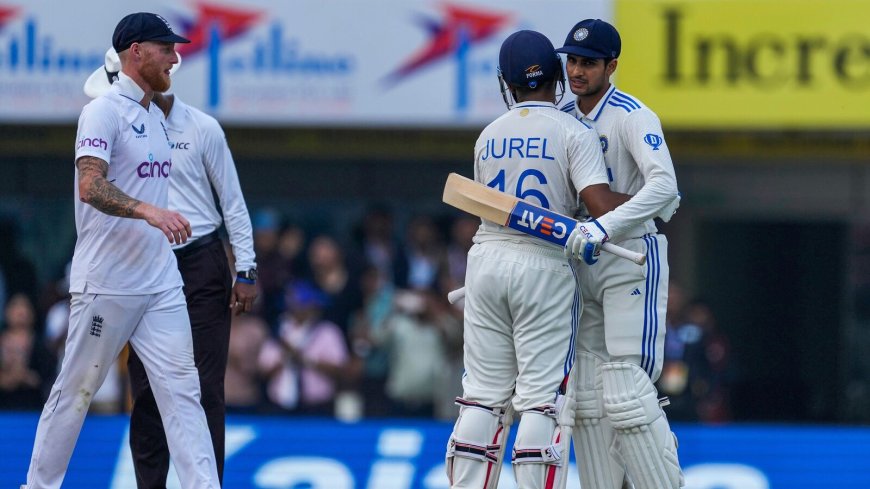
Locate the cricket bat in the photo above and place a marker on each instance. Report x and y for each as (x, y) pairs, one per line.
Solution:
(478, 199)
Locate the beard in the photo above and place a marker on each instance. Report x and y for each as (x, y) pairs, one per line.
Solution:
(156, 79)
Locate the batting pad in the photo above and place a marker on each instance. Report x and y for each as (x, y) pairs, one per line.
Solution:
(644, 437)
(475, 451)
(593, 433)
(540, 455)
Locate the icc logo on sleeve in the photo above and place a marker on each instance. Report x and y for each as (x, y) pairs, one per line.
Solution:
(653, 140)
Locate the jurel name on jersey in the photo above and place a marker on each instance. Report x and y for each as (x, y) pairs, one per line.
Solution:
(516, 148)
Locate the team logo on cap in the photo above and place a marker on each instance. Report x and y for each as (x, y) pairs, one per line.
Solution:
(533, 71)
(164, 21)
(580, 34)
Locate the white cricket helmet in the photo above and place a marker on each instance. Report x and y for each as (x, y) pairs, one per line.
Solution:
(102, 78)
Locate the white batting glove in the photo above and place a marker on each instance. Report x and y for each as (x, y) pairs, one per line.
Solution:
(669, 210)
(566, 409)
(584, 242)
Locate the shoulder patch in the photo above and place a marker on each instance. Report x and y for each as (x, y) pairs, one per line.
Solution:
(654, 140)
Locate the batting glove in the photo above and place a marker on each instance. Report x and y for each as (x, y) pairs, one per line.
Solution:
(566, 409)
(584, 242)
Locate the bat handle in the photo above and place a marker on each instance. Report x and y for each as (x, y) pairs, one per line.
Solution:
(455, 295)
(621, 252)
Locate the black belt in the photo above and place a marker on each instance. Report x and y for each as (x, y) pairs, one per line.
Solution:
(197, 244)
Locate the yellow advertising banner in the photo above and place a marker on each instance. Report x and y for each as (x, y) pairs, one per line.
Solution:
(734, 64)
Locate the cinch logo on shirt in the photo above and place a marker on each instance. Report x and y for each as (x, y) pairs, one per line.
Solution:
(154, 169)
(179, 145)
(93, 143)
(517, 147)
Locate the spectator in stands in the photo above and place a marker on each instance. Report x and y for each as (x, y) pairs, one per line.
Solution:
(272, 271)
(243, 384)
(376, 244)
(714, 404)
(462, 231)
(292, 248)
(331, 274)
(425, 250)
(452, 330)
(415, 337)
(366, 328)
(26, 367)
(306, 363)
(684, 366)
(696, 371)
(17, 272)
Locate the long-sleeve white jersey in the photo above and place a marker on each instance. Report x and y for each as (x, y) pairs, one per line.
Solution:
(201, 160)
(540, 154)
(637, 158)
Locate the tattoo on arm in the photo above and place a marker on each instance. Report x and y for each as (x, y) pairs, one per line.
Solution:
(101, 194)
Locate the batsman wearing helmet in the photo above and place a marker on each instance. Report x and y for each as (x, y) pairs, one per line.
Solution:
(620, 426)
(522, 302)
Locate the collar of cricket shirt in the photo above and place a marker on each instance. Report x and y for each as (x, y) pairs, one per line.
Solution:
(129, 88)
(595, 113)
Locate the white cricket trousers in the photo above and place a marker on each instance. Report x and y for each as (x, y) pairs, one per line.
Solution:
(522, 308)
(624, 305)
(158, 328)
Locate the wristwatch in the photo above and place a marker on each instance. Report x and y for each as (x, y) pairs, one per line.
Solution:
(250, 275)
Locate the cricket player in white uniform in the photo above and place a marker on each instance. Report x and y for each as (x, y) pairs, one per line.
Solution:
(522, 302)
(622, 331)
(202, 168)
(125, 283)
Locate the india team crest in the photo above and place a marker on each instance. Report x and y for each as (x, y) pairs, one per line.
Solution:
(604, 143)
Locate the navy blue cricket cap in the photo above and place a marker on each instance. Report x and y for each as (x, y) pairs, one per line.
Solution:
(141, 27)
(592, 38)
(528, 58)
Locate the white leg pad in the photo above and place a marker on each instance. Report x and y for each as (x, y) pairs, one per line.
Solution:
(644, 438)
(476, 448)
(540, 454)
(593, 433)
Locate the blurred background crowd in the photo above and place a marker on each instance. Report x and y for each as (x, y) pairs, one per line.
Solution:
(347, 325)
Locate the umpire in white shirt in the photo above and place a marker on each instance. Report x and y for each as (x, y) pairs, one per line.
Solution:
(202, 167)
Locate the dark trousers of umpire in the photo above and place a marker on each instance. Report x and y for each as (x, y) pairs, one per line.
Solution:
(207, 287)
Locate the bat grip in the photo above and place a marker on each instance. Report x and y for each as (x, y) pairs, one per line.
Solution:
(455, 295)
(621, 252)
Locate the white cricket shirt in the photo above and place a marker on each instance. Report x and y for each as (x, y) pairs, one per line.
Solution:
(118, 255)
(201, 160)
(539, 154)
(637, 158)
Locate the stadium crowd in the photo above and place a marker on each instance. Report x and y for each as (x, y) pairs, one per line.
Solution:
(355, 325)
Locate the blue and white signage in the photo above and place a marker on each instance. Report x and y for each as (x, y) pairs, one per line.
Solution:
(341, 62)
(295, 453)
